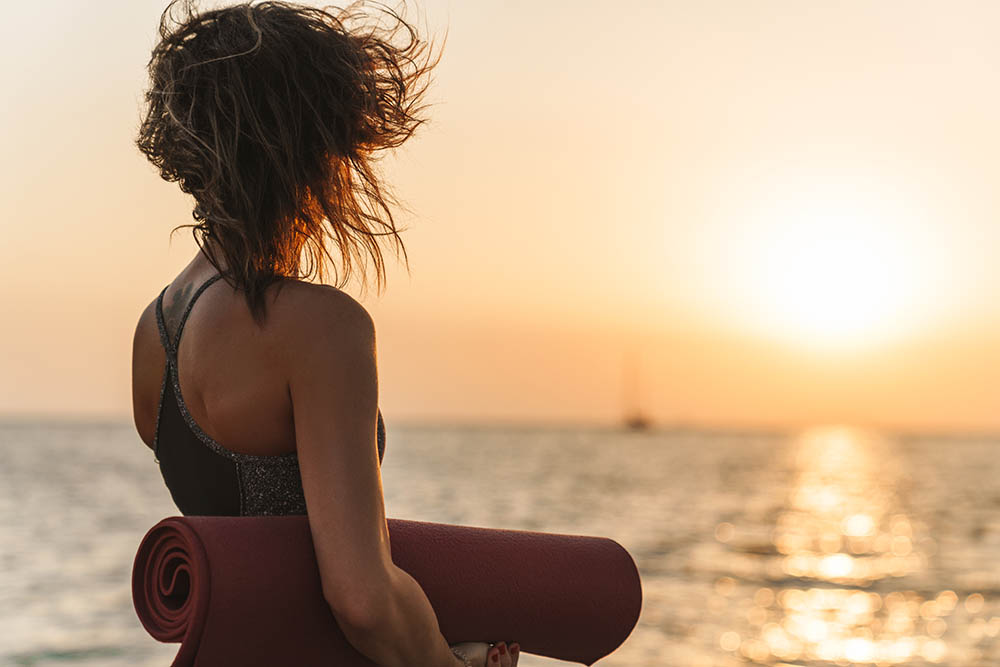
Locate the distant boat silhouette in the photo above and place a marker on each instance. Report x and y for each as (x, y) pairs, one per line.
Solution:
(634, 419)
(637, 422)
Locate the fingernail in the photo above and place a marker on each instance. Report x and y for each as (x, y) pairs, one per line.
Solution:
(502, 649)
(495, 658)
(514, 648)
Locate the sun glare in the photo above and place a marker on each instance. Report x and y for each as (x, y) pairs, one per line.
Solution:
(830, 271)
(834, 277)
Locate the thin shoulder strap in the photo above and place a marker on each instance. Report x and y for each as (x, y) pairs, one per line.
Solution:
(171, 347)
(164, 339)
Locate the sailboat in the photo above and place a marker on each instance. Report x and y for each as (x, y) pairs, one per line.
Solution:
(637, 422)
(634, 419)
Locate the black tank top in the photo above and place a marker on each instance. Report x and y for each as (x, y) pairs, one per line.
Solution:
(205, 478)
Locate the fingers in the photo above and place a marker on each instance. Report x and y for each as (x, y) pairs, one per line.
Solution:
(493, 656)
(504, 654)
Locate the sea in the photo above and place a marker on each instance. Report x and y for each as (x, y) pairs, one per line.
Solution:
(827, 546)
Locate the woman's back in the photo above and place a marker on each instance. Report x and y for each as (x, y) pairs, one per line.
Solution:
(219, 419)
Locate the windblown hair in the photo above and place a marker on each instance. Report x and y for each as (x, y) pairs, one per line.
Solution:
(271, 116)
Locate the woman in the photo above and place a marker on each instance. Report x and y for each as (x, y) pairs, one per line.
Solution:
(269, 115)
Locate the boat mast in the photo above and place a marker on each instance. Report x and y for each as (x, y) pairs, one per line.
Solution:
(634, 417)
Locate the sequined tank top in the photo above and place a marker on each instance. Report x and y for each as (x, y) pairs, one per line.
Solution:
(205, 478)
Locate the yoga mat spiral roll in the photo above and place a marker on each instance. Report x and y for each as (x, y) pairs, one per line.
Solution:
(247, 591)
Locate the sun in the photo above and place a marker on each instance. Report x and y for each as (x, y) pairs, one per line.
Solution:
(833, 278)
(831, 272)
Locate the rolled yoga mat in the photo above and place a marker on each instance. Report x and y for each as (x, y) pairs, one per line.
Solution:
(246, 590)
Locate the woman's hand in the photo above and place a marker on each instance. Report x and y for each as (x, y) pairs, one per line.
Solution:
(481, 655)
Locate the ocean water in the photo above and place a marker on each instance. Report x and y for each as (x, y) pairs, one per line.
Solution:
(827, 547)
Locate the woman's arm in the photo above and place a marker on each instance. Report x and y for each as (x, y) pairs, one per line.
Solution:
(332, 381)
(404, 630)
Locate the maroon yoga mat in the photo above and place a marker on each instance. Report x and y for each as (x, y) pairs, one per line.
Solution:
(246, 590)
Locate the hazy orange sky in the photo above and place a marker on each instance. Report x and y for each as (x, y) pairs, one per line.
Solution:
(787, 211)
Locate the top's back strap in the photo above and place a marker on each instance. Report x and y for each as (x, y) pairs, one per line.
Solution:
(171, 347)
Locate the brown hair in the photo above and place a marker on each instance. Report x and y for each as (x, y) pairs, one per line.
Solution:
(270, 114)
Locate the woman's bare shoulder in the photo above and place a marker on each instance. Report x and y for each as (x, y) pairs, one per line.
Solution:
(299, 300)
(319, 313)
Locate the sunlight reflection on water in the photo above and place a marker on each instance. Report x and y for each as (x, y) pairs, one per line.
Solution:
(841, 533)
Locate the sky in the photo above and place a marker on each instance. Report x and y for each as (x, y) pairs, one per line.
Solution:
(767, 214)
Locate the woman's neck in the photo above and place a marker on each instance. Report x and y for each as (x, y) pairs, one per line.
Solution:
(201, 262)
